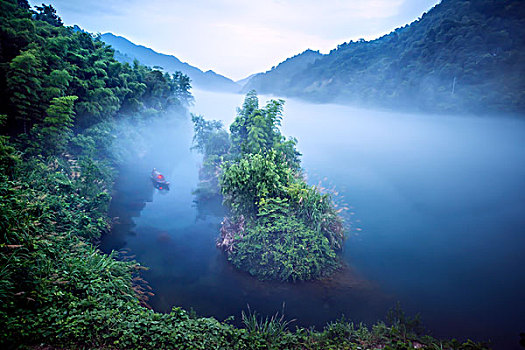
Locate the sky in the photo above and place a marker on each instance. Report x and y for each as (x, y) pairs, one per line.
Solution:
(237, 38)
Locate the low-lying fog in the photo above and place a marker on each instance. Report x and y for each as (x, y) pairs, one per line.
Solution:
(437, 214)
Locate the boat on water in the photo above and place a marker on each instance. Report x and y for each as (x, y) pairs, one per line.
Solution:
(159, 180)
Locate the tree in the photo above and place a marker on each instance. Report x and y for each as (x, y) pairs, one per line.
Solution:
(8, 154)
(55, 131)
(23, 4)
(24, 85)
(203, 130)
(246, 184)
(181, 87)
(56, 83)
(47, 13)
(239, 128)
(256, 130)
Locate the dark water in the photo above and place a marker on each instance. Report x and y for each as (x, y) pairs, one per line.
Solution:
(436, 208)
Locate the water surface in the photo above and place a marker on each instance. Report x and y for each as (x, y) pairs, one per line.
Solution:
(436, 208)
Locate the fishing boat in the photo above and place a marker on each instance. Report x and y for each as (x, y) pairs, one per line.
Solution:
(159, 180)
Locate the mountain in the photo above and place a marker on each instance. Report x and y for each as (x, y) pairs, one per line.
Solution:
(460, 56)
(245, 81)
(280, 77)
(126, 51)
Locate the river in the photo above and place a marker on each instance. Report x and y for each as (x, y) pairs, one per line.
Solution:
(436, 216)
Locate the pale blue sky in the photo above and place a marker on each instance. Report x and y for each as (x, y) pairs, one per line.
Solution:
(237, 38)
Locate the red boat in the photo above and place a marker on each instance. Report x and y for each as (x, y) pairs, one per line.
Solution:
(159, 181)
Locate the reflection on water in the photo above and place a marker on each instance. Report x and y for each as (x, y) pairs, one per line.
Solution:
(438, 217)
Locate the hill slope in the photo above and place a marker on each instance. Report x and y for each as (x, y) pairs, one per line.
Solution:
(280, 77)
(460, 56)
(128, 51)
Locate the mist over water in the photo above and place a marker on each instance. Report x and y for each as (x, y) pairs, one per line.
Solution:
(437, 208)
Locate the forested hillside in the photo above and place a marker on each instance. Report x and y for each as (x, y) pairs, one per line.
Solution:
(44, 63)
(463, 55)
(279, 78)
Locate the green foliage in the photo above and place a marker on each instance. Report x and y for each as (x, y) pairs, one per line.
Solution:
(247, 183)
(181, 87)
(256, 130)
(213, 142)
(342, 334)
(47, 13)
(41, 60)
(280, 227)
(209, 137)
(403, 324)
(279, 246)
(55, 131)
(8, 154)
(341, 330)
(318, 211)
(24, 86)
(268, 328)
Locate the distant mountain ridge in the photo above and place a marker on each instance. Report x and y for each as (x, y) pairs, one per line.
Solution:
(459, 56)
(127, 51)
(245, 81)
(278, 78)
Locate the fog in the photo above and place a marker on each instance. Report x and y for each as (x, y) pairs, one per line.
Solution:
(436, 220)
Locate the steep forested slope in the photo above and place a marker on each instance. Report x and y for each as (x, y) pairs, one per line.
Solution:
(279, 78)
(463, 55)
(41, 60)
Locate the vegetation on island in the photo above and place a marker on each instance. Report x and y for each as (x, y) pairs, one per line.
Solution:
(461, 56)
(62, 96)
(279, 228)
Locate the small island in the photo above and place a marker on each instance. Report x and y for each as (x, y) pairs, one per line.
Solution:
(279, 227)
